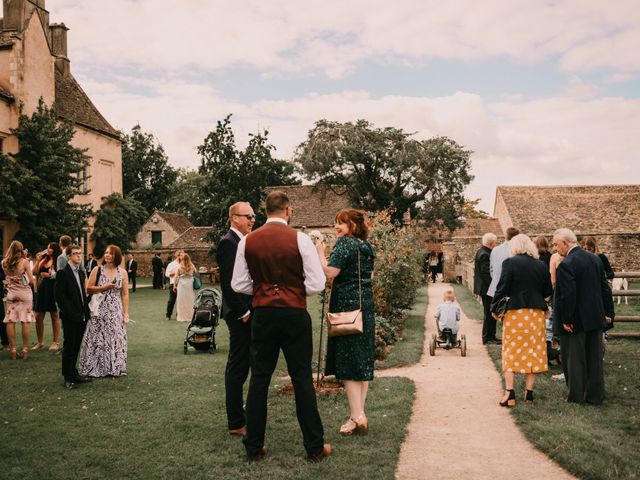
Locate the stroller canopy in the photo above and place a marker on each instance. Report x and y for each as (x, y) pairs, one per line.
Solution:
(207, 298)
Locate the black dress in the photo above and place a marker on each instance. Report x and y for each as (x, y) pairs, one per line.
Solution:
(352, 357)
(45, 300)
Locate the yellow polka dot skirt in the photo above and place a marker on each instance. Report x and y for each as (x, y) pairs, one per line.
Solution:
(524, 347)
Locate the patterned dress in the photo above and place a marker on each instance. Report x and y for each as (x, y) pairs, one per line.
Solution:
(351, 357)
(19, 300)
(104, 346)
(524, 345)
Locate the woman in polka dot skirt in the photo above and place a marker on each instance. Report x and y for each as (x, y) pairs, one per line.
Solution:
(525, 280)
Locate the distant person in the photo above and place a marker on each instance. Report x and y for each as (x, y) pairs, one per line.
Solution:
(63, 242)
(591, 246)
(45, 272)
(171, 272)
(132, 271)
(525, 281)
(156, 266)
(71, 297)
(183, 286)
(542, 245)
(236, 311)
(91, 263)
(19, 281)
(583, 307)
(481, 282)
(433, 266)
(104, 347)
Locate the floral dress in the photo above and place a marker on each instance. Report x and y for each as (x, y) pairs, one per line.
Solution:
(104, 346)
(351, 357)
(19, 299)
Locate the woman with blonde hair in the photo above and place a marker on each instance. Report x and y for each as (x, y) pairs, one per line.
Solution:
(525, 283)
(183, 286)
(19, 281)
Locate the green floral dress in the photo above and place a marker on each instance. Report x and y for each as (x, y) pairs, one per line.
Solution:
(351, 357)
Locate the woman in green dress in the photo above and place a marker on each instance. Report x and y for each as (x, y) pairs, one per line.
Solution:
(351, 357)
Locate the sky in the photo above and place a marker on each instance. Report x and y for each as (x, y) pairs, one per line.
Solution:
(543, 92)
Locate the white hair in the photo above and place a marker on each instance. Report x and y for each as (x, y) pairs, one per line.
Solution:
(523, 244)
(565, 234)
(489, 238)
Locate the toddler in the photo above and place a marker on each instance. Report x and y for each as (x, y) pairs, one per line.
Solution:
(448, 314)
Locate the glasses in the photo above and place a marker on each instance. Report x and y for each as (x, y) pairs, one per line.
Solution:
(248, 216)
(76, 253)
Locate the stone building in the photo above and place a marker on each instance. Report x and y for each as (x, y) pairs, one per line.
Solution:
(162, 229)
(34, 64)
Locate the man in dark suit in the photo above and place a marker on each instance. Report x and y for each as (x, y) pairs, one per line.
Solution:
(280, 268)
(71, 298)
(481, 282)
(132, 271)
(91, 264)
(582, 307)
(236, 311)
(156, 266)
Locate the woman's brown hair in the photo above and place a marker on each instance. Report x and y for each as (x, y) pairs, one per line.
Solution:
(13, 256)
(188, 265)
(542, 244)
(116, 253)
(590, 245)
(356, 221)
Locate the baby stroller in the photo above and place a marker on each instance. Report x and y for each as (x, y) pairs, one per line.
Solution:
(201, 332)
(447, 339)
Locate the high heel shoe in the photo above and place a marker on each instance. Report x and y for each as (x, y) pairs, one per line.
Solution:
(510, 401)
(347, 429)
(528, 397)
(25, 353)
(363, 425)
(14, 353)
(37, 346)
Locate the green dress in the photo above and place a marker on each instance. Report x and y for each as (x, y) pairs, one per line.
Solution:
(351, 357)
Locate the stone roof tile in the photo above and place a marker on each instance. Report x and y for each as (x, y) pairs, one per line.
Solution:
(192, 238)
(177, 221)
(476, 227)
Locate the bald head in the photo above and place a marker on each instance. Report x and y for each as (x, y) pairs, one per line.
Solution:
(242, 217)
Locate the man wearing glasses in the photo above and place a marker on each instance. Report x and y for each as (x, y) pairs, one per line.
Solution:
(236, 311)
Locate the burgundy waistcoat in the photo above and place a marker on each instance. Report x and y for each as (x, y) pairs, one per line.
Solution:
(275, 265)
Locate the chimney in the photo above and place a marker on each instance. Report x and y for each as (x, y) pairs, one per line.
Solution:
(14, 14)
(59, 46)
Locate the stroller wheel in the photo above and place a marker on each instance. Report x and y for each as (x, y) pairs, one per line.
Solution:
(463, 346)
(432, 345)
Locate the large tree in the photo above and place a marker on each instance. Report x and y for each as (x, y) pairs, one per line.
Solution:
(146, 174)
(187, 196)
(232, 174)
(387, 168)
(39, 183)
(117, 223)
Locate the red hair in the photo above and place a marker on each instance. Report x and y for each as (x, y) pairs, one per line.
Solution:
(355, 219)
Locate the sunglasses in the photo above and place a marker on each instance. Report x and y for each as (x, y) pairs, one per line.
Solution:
(249, 216)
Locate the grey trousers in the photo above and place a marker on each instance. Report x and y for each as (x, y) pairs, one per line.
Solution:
(582, 363)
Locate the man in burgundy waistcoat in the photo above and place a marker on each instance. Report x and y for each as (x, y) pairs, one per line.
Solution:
(280, 268)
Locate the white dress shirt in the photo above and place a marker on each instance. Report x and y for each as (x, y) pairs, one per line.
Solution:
(314, 279)
(448, 316)
(498, 255)
(171, 268)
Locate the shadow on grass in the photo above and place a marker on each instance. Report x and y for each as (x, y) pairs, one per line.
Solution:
(590, 442)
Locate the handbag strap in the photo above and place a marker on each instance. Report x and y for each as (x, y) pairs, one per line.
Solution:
(359, 285)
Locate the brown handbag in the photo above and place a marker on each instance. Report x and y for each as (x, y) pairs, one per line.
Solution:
(346, 323)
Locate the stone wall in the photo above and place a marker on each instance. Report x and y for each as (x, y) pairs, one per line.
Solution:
(200, 258)
(169, 235)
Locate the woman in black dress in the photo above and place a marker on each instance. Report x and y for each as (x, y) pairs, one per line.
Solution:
(351, 357)
(590, 245)
(44, 272)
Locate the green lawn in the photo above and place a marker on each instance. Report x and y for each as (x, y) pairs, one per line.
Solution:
(166, 419)
(590, 442)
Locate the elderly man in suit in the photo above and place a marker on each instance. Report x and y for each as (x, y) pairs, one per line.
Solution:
(236, 311)
(582, 307)
(71, 297)
(481, 282)
(280, 268)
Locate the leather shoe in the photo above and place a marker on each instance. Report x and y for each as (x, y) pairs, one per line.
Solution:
(254, 457)
(239, 432)
(81, 379)
(327, 450)
(69, 385)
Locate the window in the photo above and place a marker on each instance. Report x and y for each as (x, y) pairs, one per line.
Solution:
(1, 145)
(83, 176)
(156, 237)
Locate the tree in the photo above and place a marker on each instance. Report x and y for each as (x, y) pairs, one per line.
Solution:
(471, 210)
(146, 174)
(117, 223)
(232, 175)
(385, 168)
(187, 196)
(39, 183)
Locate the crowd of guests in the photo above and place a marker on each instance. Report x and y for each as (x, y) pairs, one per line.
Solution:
(90, 311)
(546, 300)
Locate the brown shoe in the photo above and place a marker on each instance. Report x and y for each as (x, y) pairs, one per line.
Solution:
(254, 457)
(327, 450)
(238, 432)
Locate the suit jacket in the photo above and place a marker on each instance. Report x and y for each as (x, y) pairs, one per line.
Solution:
(72, 303)
(481, 272)
(234, 305)
(498, 255)
(133, 267)
(582, 296)
(156, 264)
(91, 264)
(526, 281)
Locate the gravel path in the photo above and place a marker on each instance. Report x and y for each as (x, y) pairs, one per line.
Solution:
(457, 429)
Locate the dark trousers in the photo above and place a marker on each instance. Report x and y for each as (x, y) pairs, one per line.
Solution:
(157, 280)
(132, 281)
(73, 332)
(582, 365)
(4, 339)
(237, 371)
(433, 270)
(172, 301)
(488, 323)
(288, 329)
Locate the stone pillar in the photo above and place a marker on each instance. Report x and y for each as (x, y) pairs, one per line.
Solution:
(450, 252)
(59, 46)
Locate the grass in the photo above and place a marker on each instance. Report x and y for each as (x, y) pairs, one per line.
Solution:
(408, 349)
(166, 419)
(590, 442)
